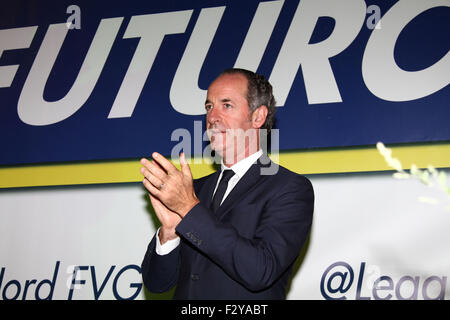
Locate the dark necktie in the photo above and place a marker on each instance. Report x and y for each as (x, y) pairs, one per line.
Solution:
(221, 189)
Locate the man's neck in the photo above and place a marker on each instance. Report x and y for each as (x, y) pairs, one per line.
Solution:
(244, 155)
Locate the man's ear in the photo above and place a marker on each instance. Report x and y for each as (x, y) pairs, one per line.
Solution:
(259, 116)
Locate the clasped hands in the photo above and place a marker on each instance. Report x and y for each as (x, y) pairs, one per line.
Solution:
(171, 191)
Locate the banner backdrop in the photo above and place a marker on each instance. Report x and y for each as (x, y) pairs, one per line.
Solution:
(371, 239)
(111, 80)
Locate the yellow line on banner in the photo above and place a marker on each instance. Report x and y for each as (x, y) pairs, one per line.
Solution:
(305, 162)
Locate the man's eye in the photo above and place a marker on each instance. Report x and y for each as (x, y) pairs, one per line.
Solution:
(208, 107)
(227, 106)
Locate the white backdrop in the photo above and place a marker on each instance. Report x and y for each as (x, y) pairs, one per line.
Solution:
(366, 225)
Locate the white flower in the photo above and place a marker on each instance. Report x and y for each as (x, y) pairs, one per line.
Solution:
(428, 200)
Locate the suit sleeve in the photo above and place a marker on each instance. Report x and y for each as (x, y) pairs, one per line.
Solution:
(256, 263)
(160, 273)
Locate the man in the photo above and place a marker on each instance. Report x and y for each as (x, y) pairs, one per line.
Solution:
(231, 238)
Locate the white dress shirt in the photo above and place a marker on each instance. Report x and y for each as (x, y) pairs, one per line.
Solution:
(239, 168)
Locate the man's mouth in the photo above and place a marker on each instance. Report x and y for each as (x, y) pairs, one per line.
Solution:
(214, 131)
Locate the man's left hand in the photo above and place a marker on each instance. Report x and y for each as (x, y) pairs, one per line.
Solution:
(173, 187)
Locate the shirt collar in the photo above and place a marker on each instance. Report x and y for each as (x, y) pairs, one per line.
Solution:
(241, 167)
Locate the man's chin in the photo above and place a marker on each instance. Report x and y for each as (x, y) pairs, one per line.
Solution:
(218, 149)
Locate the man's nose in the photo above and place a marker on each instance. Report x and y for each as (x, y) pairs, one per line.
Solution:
(213, 116)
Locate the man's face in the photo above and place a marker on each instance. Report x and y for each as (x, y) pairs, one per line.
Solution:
(227, 109)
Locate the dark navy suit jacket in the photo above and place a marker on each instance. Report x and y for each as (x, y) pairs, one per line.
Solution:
(246, 249)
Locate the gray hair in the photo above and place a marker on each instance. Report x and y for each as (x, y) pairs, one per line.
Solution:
(259, 93)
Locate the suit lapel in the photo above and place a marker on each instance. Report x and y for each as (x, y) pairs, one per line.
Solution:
(207, 190)
(245, 184)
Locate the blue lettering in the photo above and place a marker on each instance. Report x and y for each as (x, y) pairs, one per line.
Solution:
(75, 281)
(138, 286)
(97, 293)
(360, 280)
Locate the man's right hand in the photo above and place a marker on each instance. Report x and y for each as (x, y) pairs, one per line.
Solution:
(169, 220)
